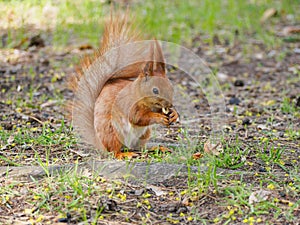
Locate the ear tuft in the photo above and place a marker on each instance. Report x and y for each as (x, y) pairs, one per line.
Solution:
(148, 69)
(159, 59)
(155, 65)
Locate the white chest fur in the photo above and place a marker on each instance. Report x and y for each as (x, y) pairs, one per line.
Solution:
(129, 134)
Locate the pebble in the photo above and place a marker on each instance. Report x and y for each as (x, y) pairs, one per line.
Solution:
(246, 121)
(238, 83)
(234, 101)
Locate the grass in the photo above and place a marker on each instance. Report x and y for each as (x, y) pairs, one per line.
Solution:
(71, 193)
(175, 21)
(26, 140)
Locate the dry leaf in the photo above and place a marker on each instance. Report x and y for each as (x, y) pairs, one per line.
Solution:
(262, 127)
(185, 201)
(259, 196)
(157, 190)
(49, 103)
(85, 47)
(197, 155)
(291, 30)
(222, 77)
(268, 14)
(214, 149)
(161, 149)
(124, 155)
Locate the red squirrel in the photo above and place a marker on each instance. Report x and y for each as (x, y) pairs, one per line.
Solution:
(121, 91)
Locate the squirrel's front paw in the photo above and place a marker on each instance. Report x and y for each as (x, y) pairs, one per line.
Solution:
(173, 116)
(160, 118)
(164, 120)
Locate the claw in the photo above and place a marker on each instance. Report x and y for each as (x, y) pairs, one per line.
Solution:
(173, 117)
(165, 110)
(166, 122)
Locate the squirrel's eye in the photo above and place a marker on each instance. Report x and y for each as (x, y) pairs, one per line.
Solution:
(155, 91)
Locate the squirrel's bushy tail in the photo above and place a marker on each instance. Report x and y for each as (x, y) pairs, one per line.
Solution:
(95, 70)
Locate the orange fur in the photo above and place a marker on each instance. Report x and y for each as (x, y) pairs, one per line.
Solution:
(117, 31)
(116, 106)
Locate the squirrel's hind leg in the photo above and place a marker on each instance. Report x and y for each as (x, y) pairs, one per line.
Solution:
(144, 138)
(141, 144)
(115, 147)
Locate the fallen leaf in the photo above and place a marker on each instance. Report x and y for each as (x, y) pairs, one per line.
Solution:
(139, 192)
(286, 31)
(124, 155)
(156, 190)
(49, 103)
(222, 77)
(185, 201)
(259, 196)
(214, 149)
(268, 14)
(85, 47)
(262, 127)
(259, 56)
(197, 155)
(161, 149)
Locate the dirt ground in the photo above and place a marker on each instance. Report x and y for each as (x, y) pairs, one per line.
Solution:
(261, 86)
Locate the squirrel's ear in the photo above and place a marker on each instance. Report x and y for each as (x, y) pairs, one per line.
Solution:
(156, 64)
(160, 66)
(148, 69)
